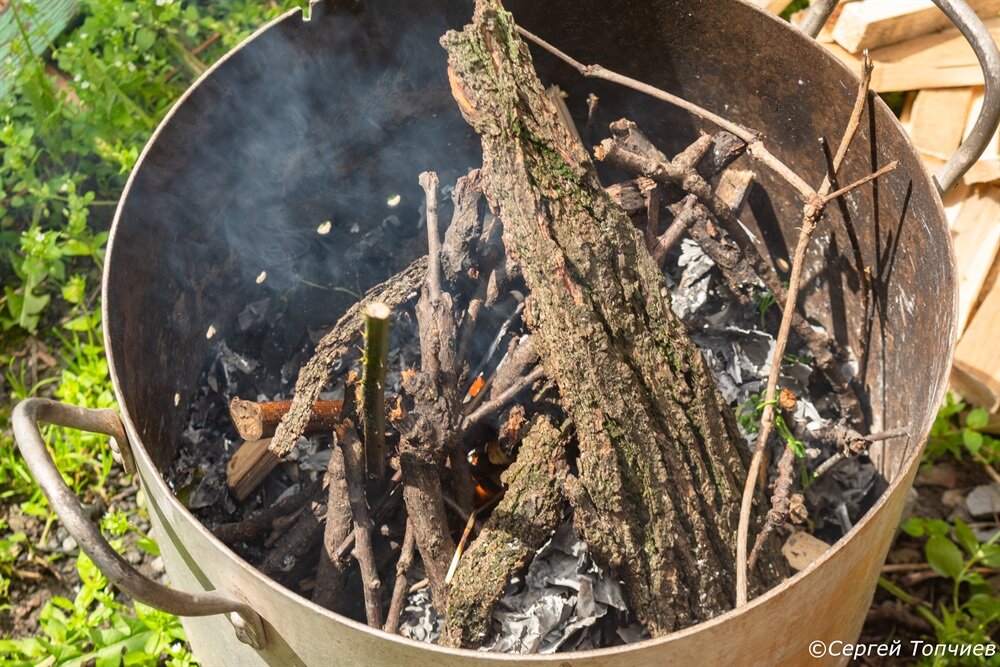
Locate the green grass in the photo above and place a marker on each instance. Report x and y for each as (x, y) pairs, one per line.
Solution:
(71, 127)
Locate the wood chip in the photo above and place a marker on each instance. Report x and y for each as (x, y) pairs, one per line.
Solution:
(801, 549)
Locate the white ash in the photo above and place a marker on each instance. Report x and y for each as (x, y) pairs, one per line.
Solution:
(691, 292)
(419, 621)
(555, 606)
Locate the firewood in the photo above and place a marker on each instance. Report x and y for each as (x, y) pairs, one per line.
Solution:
(314, 375)
(354, 473)
(257, 525)
(937, 122)
(331, 572)
(254, 460)
(773, 6)
(248, 467)
(976, 372)
(420, 457)
(255, 421)
(525, 518)
(873, 23)
(606, 335)
(939, 60)
(940, 119)
(976, 233)
(399, 590)
(460, 251)
(438, 333)
(293, 552)
(428, 422)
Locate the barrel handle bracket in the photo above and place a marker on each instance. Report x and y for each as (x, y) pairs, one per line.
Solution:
(27, 415)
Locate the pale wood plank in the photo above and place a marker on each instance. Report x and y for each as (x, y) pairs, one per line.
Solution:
(940, 60)
(976, 373)
(938, 119)
(976, 234)
(773, 6)
(871, 24)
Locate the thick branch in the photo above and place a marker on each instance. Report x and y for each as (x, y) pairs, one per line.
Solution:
(658, 447)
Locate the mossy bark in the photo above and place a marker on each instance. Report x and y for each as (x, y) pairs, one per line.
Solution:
(519, 526)
(661, 462)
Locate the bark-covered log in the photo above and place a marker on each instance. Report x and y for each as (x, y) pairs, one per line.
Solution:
(331, 571)
(661, 464)
(519, 526)
(421, 457)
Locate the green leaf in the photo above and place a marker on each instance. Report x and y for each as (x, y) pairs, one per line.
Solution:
(977, 419)
(914, 527)
(966, 537)
(79, 323)
(937, 527)
(144, 39)
(973, 440)
(944, 557)
(991, 555)
(148, 545)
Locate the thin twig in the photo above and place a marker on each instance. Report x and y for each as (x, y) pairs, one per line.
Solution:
(354, 471)
(755, 146)
(505, 397)
(990, 470)
(841, 455)
(378, 508)
(811, 212)
(870, 177)
(429, 182)
(459, 511)
(399, 589)
(469, 525)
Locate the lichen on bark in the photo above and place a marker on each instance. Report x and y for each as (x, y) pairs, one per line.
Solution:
(522, 522)
(661, 462)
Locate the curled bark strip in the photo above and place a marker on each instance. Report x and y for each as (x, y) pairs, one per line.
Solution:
(314, 375)
(519, 526)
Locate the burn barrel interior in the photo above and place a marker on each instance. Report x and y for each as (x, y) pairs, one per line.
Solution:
(326, 119)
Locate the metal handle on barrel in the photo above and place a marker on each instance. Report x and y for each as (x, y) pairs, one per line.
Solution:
(25, 420)
(979, 37)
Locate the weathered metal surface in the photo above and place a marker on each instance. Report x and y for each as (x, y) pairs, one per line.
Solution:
(321, 120)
